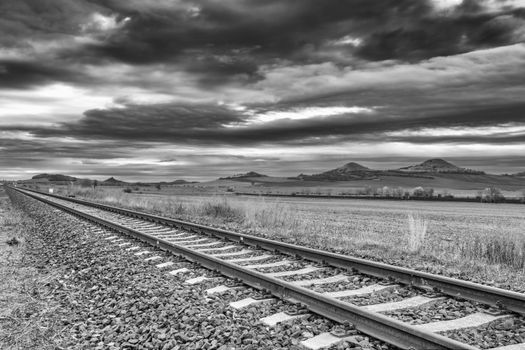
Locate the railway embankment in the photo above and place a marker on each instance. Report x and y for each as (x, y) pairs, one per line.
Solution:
(101, 296)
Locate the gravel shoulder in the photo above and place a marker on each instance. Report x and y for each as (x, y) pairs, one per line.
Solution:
(27, 319)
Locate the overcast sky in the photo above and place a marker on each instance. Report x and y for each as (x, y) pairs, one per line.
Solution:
(169, 89)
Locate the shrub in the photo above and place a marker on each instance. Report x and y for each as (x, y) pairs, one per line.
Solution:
(418, 191)
(222, 209)
(493, 195)
(127, 190)
(385, 191)
(398, 192)
(423, 192)
(368, 191)
(74, 190)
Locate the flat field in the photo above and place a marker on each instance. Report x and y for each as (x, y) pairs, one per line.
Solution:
(476, 241)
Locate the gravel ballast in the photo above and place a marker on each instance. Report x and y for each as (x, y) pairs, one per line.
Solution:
(442, 310)
(383, 296)
(353, 282)
(498, 333)
(271, 259)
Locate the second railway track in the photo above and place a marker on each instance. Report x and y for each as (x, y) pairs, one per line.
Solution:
(372, 296)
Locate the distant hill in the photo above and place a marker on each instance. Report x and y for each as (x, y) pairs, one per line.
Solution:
(178, 182)
(113, 182)
(439, 166)
(351, 167)
(248, 175)
(54, 177)
(181, 182)
(349, 171)
(59, 179)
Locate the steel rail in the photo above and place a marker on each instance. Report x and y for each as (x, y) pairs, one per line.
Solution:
(512, 301)
(374, 324)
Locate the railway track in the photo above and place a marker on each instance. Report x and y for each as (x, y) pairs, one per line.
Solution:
(400, 306)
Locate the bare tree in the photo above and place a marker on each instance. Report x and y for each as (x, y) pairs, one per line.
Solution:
(493, 195)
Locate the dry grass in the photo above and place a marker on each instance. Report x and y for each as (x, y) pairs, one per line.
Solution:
(507, 251)
(482, 240)
(417, 230)
(24, 303)
(10, 218)
(221, 208)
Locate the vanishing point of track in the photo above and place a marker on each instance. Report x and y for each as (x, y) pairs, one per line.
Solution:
(219, 250)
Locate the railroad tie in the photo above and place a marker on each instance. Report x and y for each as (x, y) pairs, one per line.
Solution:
(474, 320)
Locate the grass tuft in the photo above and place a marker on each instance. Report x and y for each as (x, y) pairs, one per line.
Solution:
(417, 230)
(221, 208)
(495, 250)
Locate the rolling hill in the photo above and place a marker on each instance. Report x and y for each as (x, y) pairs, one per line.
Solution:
(246, 176)
(59, 179)
(113, 182)
(349, 171)
(435, 173)
(354, 171)
(438, 166)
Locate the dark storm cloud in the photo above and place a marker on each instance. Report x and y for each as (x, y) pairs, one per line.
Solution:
(44, 23)
(273, 28)
(205, 124)
(26, 74)
(225, 40)
(430, 35)
(234, 38)
(164, 122)
(504, 139)
(23, 20)
(13, 148)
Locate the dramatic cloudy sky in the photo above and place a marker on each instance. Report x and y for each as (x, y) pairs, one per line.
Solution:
(196, 89)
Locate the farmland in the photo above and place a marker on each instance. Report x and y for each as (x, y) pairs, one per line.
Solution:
(482, 241)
